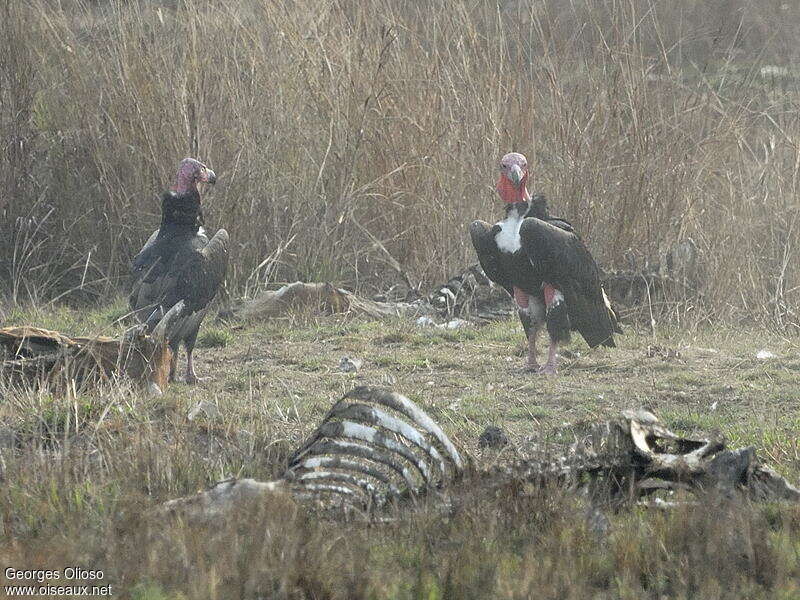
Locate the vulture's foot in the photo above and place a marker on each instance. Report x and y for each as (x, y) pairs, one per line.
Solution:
(531, 367)
(191, 376)
(193, 379)
(549, 369)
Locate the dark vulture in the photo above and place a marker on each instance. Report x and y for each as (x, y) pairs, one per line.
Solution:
(179, 263)
(545, 266)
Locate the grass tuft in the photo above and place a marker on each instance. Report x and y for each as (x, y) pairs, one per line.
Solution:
(214, 338)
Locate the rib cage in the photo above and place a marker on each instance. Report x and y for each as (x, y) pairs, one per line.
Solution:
(372, 446)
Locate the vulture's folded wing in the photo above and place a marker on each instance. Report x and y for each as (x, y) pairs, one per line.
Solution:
(197, 274)
(565, 262)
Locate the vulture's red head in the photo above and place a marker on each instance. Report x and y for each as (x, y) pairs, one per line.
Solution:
(513, 178)
(190, 172)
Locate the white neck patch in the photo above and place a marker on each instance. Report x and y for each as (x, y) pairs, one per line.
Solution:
(507, 239)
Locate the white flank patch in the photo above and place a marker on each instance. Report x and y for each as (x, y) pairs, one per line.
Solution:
(201, 231)
(508, 238)
(606, 301)
(536, 310)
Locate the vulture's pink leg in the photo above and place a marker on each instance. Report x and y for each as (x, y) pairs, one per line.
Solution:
(551, 296)
(551, 366)
(522, 300)
(533, 362)
(191, 376)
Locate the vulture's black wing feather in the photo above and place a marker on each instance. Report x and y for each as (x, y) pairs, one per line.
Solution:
(564, 261)
(192, 270)
(483, 239)
(197, 274)
(538, 208)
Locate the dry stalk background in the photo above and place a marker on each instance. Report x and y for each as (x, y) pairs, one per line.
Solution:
(346, 122)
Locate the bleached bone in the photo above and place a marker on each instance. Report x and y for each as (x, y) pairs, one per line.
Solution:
(372, 446)
(381, 435)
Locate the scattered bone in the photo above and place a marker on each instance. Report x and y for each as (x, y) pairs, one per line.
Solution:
(656, 351)
(457, 324)
(349, 365)
(425, 321)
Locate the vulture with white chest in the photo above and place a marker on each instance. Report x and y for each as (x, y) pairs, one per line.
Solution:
(545, 266)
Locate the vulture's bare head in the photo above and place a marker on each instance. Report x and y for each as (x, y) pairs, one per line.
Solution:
(191, 172)
(512, 185)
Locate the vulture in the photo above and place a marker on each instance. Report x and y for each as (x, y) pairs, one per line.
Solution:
(180, 263)
(545, 266)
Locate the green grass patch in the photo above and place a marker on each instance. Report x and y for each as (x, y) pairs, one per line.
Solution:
(214, 338)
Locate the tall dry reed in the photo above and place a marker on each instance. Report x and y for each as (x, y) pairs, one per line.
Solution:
(646, 121)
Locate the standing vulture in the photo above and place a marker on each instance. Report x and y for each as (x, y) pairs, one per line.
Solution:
(179, 263)
(545, 266)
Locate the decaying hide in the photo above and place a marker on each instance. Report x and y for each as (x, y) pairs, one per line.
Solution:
(33, 356)
(374, 446)
(319, 298)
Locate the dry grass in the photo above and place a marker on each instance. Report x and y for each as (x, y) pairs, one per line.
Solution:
(83, 470)
(646, 121)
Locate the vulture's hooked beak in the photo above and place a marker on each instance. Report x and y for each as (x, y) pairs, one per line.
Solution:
(515, 175)
(208, 176)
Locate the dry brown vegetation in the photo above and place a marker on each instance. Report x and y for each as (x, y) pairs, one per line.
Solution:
(646, 121)
(79, 473)
(346, 130)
